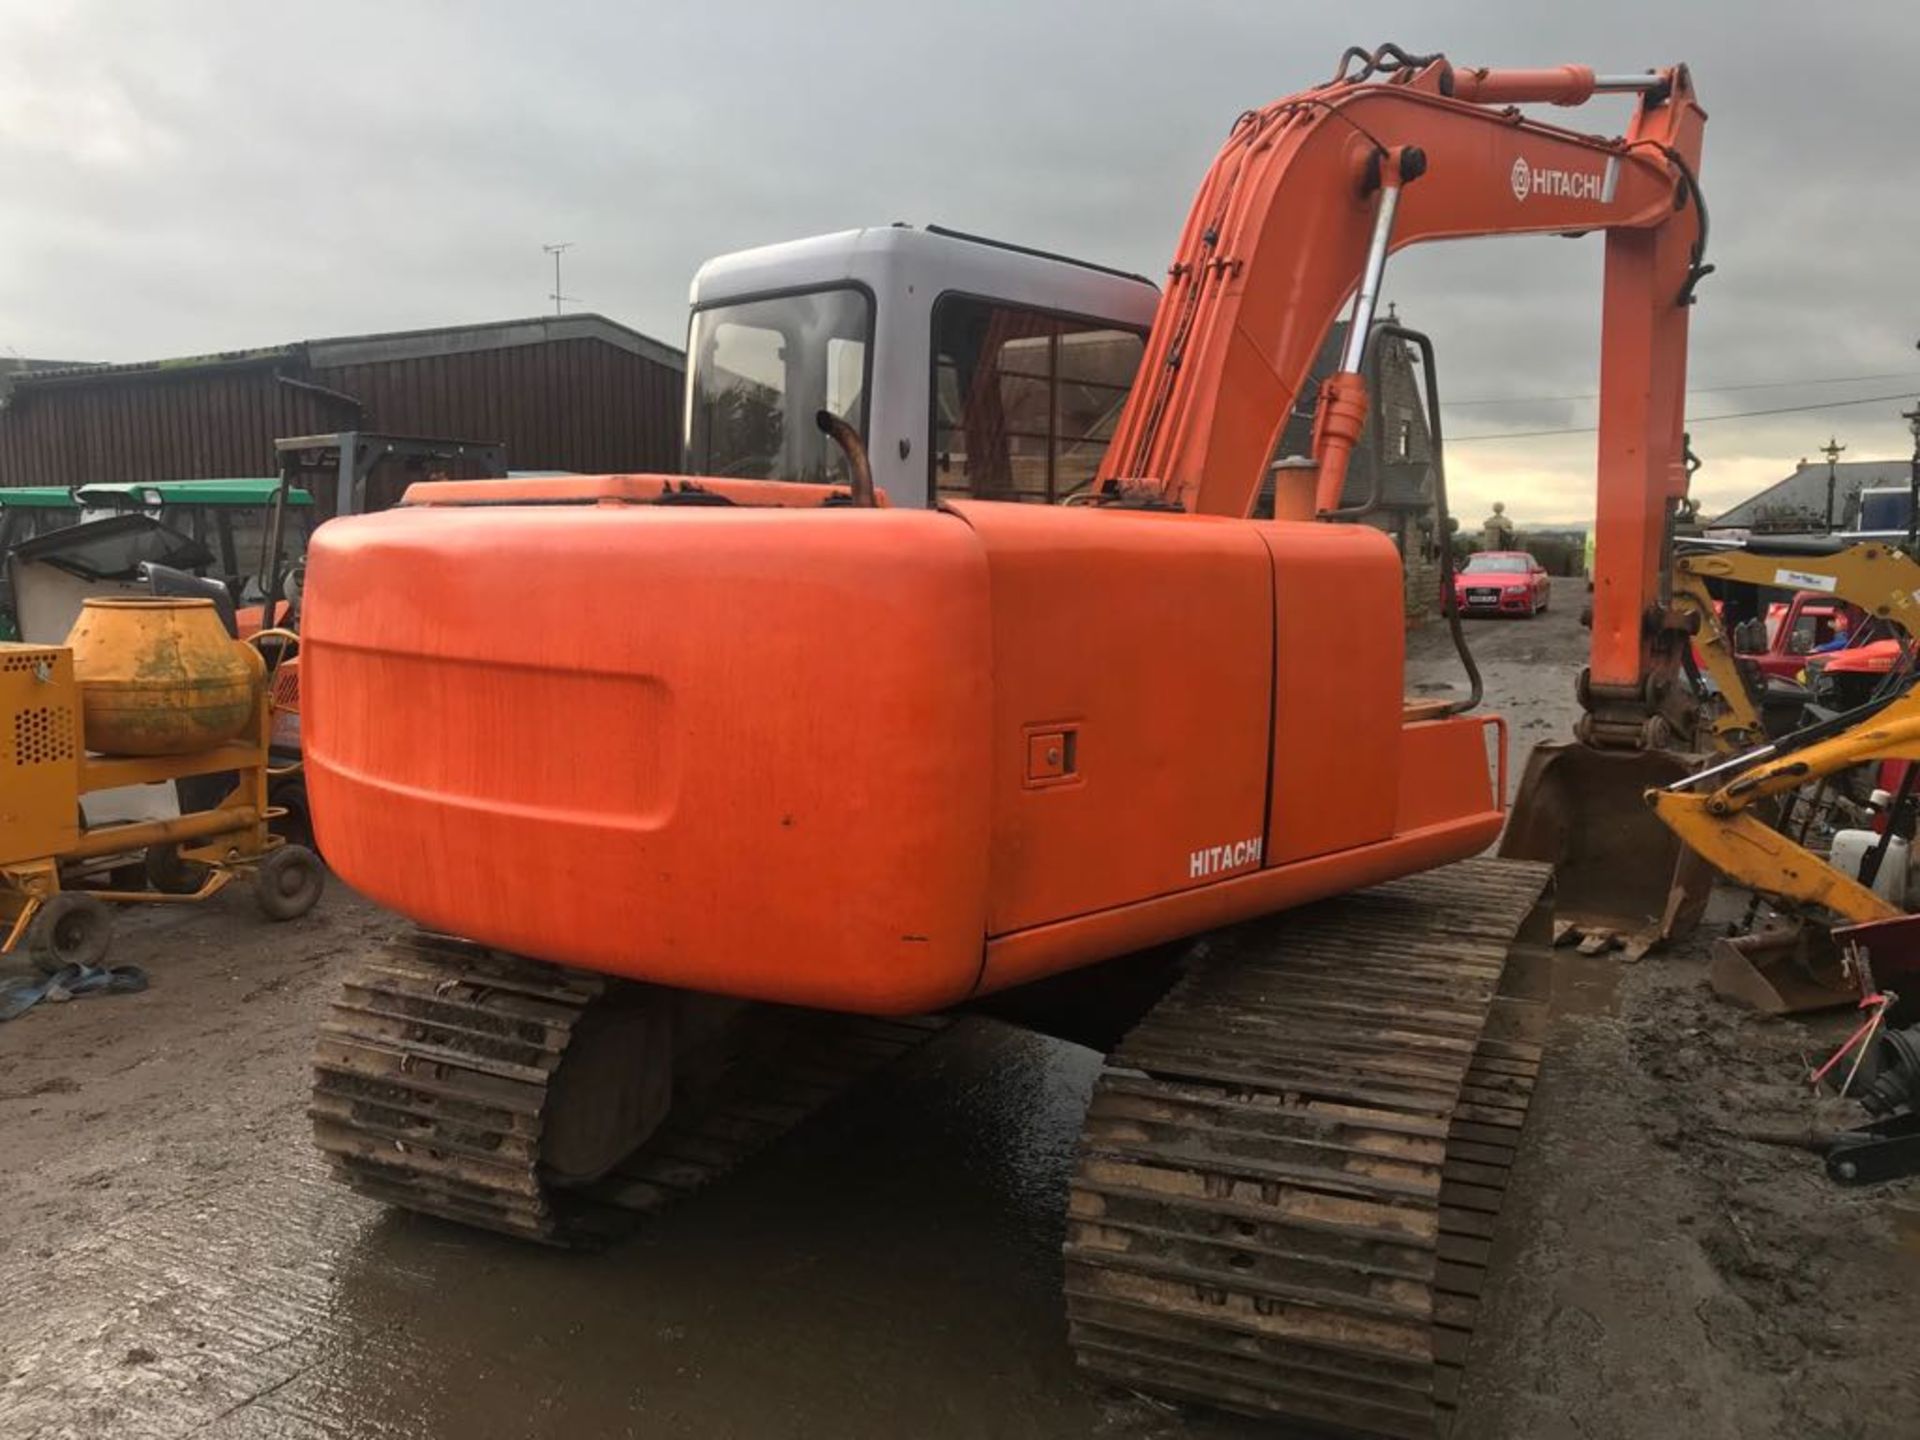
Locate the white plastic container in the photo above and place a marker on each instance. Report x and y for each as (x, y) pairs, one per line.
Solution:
(1851, 848)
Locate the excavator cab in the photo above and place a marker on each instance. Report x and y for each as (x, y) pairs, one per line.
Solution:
(968, 368)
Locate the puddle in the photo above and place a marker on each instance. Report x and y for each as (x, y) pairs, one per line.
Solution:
(1585, 984)
(1906, 1227)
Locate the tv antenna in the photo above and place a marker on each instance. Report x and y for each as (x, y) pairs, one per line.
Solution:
(556, 251)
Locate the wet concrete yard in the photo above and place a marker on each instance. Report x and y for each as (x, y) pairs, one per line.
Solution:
(179, 1261)
(175, 1261)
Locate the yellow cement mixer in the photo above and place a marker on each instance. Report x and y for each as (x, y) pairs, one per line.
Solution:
(143, 691)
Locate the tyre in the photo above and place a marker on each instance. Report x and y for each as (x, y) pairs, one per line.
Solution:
(130, 876)
(288, 882)
(170, 875)
(72, 928)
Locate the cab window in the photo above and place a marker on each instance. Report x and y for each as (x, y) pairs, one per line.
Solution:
(1024, 400)
(762, 369)
(1811, 629)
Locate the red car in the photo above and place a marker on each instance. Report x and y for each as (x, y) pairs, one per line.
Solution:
(1501, 582)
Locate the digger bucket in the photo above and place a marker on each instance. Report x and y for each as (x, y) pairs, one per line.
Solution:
(1618, 871)
(1782, 971)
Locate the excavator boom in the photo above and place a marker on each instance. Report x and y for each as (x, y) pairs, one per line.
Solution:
(1298, 214)
(1300, 211)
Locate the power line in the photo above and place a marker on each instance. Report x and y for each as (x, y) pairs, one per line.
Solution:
(1695, 390)
(1693, 420)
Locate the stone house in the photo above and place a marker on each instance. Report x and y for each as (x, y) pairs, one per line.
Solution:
(1396, 448)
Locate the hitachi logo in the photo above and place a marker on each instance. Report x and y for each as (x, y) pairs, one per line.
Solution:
(1223, 857)
(1529, 180)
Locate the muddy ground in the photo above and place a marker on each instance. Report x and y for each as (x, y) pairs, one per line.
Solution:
(174, 1261)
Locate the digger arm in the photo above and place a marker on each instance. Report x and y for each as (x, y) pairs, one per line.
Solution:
(1880, 579)
(1721, 826)
(1737, 724)
(1745, 848)
(1300, 210)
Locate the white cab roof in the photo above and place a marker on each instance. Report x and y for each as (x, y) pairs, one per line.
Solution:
(931, 261)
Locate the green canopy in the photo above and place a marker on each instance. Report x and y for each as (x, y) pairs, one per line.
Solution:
(129, 493)
(36, 497)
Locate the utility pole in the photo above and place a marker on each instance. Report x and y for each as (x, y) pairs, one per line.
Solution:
(1912, 417)
(556, 251)
(1832, 452)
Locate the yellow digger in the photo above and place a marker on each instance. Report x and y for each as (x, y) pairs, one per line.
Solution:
(1725, 813)
(1878, 578)
(1720, 815)
(1584, 815)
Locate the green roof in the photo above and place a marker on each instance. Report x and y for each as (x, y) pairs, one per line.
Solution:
(188, 492)
(39, 497)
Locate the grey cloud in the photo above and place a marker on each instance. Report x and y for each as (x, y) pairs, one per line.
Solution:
(212, 174)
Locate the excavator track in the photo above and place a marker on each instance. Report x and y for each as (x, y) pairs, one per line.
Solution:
(1287, 1185)
(433, 1072)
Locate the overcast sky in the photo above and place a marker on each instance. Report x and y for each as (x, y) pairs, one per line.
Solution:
(182, 176)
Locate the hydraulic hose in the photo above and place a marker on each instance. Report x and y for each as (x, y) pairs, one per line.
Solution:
(1379, 332)
(1437, 454)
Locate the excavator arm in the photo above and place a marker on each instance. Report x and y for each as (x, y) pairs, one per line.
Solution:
(1719, 823)
(1300, 211)
(1737, 722)
(1306, 201)
(1880, 579)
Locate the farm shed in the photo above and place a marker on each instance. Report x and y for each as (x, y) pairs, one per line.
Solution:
(567, 392)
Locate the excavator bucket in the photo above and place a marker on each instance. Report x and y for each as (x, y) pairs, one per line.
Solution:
(1619, 873)
(1782, 970)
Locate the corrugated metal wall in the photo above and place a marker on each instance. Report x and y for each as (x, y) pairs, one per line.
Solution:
(149, 427)
(566, 404)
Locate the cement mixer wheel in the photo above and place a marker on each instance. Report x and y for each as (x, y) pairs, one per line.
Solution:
(72, 928)
(288, 882)
(169, 874)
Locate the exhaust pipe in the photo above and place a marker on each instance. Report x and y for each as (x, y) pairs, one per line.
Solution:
(859, 470)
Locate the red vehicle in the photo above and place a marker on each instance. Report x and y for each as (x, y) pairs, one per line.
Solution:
(1501, 582)
(1793, 630)
(1850, 677)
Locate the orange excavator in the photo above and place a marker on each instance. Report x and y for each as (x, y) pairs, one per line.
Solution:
(816, 761)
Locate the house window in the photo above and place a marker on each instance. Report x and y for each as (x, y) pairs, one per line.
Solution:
(1024, 400)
